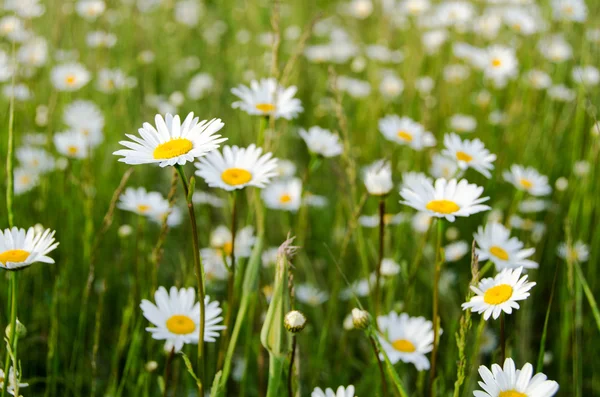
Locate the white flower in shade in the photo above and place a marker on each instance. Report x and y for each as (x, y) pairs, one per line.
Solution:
(341, 391)
(500, 63)
(86, 118)
(237, 168)
(35, 159)
(512, 382)
(561, 93)
(388, 219)
(456, 251)
(569, 10)
(310, 295)
(171, 142)
(111, 80)
(214, 264)
(469, 154)
(528, 179)
(69, 76)
(208, 198)
(378, 178)
(463, 123)
(141, 202)
(538, 79)
(389, 267)
(266, 97)
(489, 341)
(555, 48)
(494, 243)
(25, 180)
(322, 142)
(20, 248)
(406, 338)
(499, 294)
(90, 9)
(283, 195)
(580, 252)
(220, 239)
(443, 167)
(405, 131)
(445, 199)
(71, 144)
(586, 75)
(12, 386)
(176, 317)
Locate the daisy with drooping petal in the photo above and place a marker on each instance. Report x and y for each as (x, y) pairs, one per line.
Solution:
(69, 76)
(378, 178)
(469, 154)
(283, 195)
(171, 142)
(141, 202)
(322, 142)
(176, 317)
(528, 179)
(406, 338)
(494, 243)
(512, 382)
(341, 391)
(499, 294)
(406, 131)
(444, 199)
(266, 97)
(237, 168)
(20, 248)
(580, 252)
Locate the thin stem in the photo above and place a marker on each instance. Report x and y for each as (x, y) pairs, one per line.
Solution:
(199, 274)
(380, 258)
(291, 368)
(439, 260)
(502, 339)
(168, 371)
(380, 365)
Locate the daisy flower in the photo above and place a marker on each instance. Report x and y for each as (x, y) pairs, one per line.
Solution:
(341, 391)
(214, 264)
(86, 118)
(388, 219)
(445, 199)
(207, 198)
(171, 142)
(580, 252)
(569, 10)
(500, 63)
(406, 339)
(499, 294)
(266, 97)
(469, 154)
(463, 123)
(25, 180)
(11, 387)
(35, 159)
(378, 178)
(443, 167)
(456, 251)
(71, 144)
(90, 9)
(237, 168)
(389, 267)
(310, 295)
(176, 317)
(528, 179)
(512, 382)
(405, 131)
(283, 195)
(322, 142)
(220, 239)
(141, 202)
(69, 76)
(20, 248)
(494, 243)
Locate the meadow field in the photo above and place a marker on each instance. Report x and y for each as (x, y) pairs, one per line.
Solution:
(371, 198)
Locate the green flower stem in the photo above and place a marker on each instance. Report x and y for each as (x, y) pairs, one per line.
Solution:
(439, 261)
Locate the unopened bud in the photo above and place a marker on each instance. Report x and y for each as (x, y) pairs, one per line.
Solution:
(21, 330)
(151, 366)
(360, 318)
(294, 321)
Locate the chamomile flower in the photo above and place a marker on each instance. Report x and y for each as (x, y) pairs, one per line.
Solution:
(283, 195)
(266, 97)
(569, 10)
(141, 202)
(555, 48)
(500, 63)
(90, 9)
(321, 142)
(511, 382)
(443, 167)
(456, 251)
(388, 219)
(20, 248)
(586, 75)
(528, 179)
(389, 267)
(580, 252)
(208, 198)
(12, 386)
(499, 294)
(469, 154)
(71, 144)
(445, 199)
(214, 264)
(69, 77)
(494, 243)
(310, 295)
(341, 391)
(25, 180)
(176, 317)
(35, 159)
(463, 123)
(86, 118)
(406, 338)
(538, 79)
(171, 142)
(220, 239)
(378, 178)
(237, 168)
(405, 131)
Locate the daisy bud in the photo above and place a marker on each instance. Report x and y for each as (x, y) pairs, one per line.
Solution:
(360, 318)
(561, 184)
(125, 231)
(21, 330)
(151, 366)
(294, 321)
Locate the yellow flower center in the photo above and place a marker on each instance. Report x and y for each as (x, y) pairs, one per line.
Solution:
(15, 256)
(228, 248)
(405, 136)
(72, 150)
(462, 156)
(517, 27)
(499, 253)
(173, 148)
(511, 393)
(71, 79)
(180, 324)
(442, 206)
(569, 10)
(285, 198)
(236, 176)
(265, 107)
(526, 183)
(25, 179)
(143, 208)
(496, 62)
(498, 294)
(404, 345)
(387, 219)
